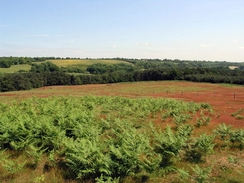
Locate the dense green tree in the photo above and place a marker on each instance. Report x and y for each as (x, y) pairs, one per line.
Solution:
(47, 73)
(5, 63)
(44, 67)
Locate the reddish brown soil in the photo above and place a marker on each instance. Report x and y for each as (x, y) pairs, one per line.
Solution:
(224, 100)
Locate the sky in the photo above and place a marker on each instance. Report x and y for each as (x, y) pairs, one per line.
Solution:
(211, 30)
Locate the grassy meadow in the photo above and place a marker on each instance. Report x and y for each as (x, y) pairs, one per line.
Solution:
(83, 63)
(15, 68)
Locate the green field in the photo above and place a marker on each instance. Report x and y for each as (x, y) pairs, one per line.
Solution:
(84, 62)
(15, 68)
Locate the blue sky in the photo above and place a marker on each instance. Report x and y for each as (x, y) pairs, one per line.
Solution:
(174, 29)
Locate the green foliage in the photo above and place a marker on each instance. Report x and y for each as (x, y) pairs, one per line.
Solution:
(126, 70)
(39, 179)
(34, 155)
(232, 159)
(199, 148)
(123, 152)
(11, 167)
(26, 81)
(40, 75)
(100, 68)
(70, 130)
(185, 131)
(180, 119)
(183, 175)
(203, 120)
(131, 151)
(104, 179)
(5, 63)
(237, 137)
(206, 106)
(169, 145)
(86, 159)
(227, 134)
(223, 132)
(44, 67)
(238, 115)
(199, 175)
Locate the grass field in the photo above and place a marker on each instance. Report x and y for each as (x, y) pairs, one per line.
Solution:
(15, 68)
(84, 62)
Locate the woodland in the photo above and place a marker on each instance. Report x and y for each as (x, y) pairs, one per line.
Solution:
(45, 73)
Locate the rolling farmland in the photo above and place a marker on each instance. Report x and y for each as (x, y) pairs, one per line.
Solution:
(83, 63)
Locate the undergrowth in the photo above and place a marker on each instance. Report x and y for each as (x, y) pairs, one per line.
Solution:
(113, 139)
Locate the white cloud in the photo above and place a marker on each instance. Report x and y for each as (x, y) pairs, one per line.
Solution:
(235, 41)
(72, 42)
(142, 44)
(114, 46)
(242, 47)
(205, 45)
(146, 43)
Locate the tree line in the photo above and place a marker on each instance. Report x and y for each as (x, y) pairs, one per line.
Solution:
(7, 62)
(29, 80)
(48, 74)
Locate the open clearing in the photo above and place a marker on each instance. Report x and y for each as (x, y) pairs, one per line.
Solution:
(15, 68)
(84, 62)
(225, 99)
